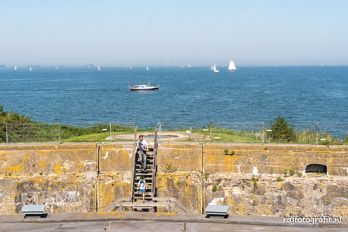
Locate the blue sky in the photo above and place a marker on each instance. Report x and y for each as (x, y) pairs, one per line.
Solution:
(105, 32)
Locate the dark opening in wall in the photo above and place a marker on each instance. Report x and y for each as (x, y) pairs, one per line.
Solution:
(316, 168)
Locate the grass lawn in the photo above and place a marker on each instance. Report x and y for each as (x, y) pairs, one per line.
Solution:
(93, 137)
(230, 137)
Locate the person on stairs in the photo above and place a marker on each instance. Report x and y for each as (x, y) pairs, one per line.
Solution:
(142, 187)
(141, 151)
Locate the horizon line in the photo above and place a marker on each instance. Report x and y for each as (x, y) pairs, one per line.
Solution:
(164, 65)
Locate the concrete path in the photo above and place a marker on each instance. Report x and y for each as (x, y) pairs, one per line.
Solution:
(131, 226)
(132, 221)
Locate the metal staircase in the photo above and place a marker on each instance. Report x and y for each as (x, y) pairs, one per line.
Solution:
(149, 175)
(151, 201)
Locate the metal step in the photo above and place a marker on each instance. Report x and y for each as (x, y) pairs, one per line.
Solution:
(147, 166)
(147, 194)
(141, 198)
(147, 170)
(147, 161)
(144, 174)
(147, 179)
(140, 164)
(148, 185)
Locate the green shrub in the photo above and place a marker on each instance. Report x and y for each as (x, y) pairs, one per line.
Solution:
(254, 180)
(312, 137)
(345, 140)
(214, 188)
(281, 131)
(289, 172)
(298, 174)
(170, 168)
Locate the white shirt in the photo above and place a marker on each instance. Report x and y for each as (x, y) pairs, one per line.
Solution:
(142, 184)
(142, 145)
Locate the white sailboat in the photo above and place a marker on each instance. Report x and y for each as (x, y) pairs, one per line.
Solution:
(15, 68)
(147, 68)
(231, 66)
(30, 69)
(214, 69)
(99, 68)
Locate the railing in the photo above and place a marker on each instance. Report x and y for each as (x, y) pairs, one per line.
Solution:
(154, 170)
(133, 170)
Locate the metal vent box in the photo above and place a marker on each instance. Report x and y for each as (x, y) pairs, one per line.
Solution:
(217, 210)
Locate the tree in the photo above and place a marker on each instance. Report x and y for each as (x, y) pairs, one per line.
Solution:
(281, 131)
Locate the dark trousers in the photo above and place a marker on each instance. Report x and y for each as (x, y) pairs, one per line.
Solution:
(142, 158)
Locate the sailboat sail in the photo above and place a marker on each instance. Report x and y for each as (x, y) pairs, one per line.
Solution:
(231, 66)
(214, 69)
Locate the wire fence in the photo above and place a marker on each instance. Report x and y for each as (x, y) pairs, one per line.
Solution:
(57, 132)
(261, 132)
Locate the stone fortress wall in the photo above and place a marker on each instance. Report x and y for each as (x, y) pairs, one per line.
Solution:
(253, 179)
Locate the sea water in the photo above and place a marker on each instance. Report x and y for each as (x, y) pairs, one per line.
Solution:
(250, 98)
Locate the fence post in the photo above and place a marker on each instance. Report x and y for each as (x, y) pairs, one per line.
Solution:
(6, 132)
(318, 133)
(59, 134)
(135, 133)
(110, 140)
(263, 134)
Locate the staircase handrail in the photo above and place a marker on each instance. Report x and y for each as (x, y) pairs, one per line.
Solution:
(133, 171)
(154, 170)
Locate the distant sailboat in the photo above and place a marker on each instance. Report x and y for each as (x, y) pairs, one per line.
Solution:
(214, 69)
(15, 68)
(99, 68)
(231, 66)
(30, 69)
(147, 68)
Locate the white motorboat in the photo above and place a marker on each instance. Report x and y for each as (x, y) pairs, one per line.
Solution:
(147, 87)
